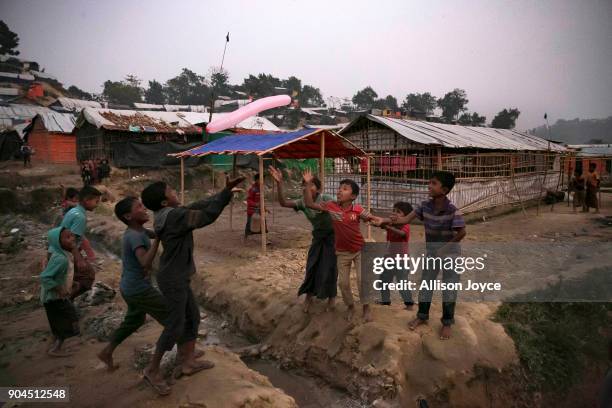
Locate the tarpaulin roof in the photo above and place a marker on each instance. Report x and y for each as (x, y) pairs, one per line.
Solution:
(301, 144)
(457, 136)
(77, 104)
(55, 122)
(252, 122)
(118, 119)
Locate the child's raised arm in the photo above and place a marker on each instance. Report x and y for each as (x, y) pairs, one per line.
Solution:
(277, 175)
(308, 202)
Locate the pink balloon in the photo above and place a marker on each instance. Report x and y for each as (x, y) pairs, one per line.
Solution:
(252, 109)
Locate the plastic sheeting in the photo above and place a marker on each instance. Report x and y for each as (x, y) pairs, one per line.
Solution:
(152, 155)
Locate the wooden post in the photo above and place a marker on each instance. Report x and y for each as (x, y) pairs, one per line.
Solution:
(262, 206)
(182, 180)
(439, 158)
(560, 181)
(543, 183)
(322, 162)
(369, 196)
(515, 187)
(231, 220)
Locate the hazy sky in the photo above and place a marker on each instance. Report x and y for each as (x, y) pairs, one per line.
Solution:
(538, 56)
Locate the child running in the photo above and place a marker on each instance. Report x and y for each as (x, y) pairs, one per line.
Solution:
(348, 239)
(444, 228)
(54, 291)
(321, 269)
(174, 225)
(76, 221)
(397, 238)
(137, 254)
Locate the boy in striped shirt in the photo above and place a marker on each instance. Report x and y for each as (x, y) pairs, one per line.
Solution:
(444, 228)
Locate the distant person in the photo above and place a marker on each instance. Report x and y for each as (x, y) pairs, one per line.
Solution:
(55, 291)
(444, 229)
(137, 254)
(85, 173)
(104, 169)
(174, 225)
(346, 217)
(253, 208)
(577, 185)
(321, 275)
(26, 154)
(397, 239)
(592, 188)
(76, 221)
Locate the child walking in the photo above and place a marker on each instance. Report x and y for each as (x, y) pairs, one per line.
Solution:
(142, 299)
(54, 290)
(76, 221)
(321, 275)
(397, 239)
(444, 229)
(174, 225)
(348, 240)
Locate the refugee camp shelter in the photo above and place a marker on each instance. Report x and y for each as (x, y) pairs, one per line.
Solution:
(301, 144)
(50, 135)
(492, 166)
(133, 138)
(585, 154)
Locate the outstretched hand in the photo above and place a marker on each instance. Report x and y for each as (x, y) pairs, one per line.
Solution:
(276, 174)
(231, 183)
(307, 176)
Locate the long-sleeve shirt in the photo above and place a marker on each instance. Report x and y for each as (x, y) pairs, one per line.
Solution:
(56, 272)
(174, 227)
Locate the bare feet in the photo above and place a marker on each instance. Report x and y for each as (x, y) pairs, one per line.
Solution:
(156, 382)
(367, 313)
(307, 304)
(59, 353)
(416, 323)
(196, 366)
(445, 332)
(350, 312)
(408, 305)
(331, 305)
(106, 356)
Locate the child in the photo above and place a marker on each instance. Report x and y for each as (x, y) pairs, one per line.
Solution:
(348, 239)
(71, 200)
(174, 225)
(321, 269)
(592, 187)
(577, 185)
(137, 256)
(76, 221)
(253, 202)
(444, 228)
(54, 290)
(398, 244)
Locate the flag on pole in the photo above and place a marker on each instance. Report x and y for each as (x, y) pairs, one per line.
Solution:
(227, 37)
(545, 114)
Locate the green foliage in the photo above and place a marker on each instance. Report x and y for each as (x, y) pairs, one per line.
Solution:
(261, 85)
(310, 96)
(556, 341)
(187, 88)
(506, 119)
(453, 103)
(78, 93)
(365, 98)
(155, 93)
(9, 41)
(578, 131)
(471, 120)
(219, 81)
(124, 92)
(424, 102)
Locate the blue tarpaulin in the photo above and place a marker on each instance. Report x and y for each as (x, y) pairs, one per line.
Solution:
(301, 144)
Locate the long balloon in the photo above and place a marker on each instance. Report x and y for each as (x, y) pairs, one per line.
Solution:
(232, 119)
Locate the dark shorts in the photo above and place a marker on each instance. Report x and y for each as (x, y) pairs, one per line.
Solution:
(62, 318)
(183, 321)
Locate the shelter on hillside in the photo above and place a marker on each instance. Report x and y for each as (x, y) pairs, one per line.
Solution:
(50, 135)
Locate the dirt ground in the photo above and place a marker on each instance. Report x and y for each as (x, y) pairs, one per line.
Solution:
(382, 362)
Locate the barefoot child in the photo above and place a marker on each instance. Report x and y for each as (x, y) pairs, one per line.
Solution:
(54, 290)
(76, 221)
(137, 254)
(321, 269)
(348, 239)
(444, 228)
(174, 225)
(398, 238)
(252, 205)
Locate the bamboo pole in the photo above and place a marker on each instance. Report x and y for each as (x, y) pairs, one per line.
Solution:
(182, 181)
(543, 184)
(262, 206)
(439, 158)
(369, 198)
(515, 187)
(559, 181)
(322, 162)
(231, 217)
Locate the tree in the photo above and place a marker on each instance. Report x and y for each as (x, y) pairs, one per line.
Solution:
(124, 92)
(453, 103)
(506, 119)
(465, 119)
(261, 85)
(471, 120)
(8, 40)
(294, 85)
(310, 96)
(78, 93)
(424, 102)
(478, 120)
(155, 93)
(365, 98)
(187, 88)
(219, 81)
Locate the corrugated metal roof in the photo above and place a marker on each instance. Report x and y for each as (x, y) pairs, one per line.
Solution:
(253, 122)
(57, 122)
(9, 91)
(457, 136)
(592, 149)
(26, 77)
(138, 105)
(13, 114)
(77, 105)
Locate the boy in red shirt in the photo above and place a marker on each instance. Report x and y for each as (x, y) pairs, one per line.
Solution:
(348, 239)
(252, 206)
(398, 238)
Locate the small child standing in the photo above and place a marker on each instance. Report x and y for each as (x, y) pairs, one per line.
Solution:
(444, 229)
(345, 217)
(137, 254)
(397, 238)
(76, 221)
(54, 291)
(253, 204)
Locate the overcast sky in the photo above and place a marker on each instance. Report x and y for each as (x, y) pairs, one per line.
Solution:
(538, 56)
